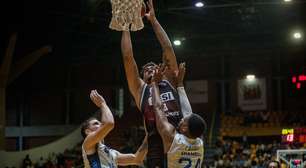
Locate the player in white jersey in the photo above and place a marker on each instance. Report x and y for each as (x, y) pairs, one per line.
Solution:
(184, 101)
(95, 153)
(184, 147)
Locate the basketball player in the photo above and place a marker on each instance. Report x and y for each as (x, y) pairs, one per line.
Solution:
(140, 88)
(183, 148)
(95, 153)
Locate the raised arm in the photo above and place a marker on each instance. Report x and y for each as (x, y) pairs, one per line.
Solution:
(165, 129)
(184, 101)
(107, 121)
(131, 70)
(137, 158)
(169, 57)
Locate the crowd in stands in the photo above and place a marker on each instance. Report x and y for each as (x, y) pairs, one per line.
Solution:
(246, 153)
(234, 154)
(70, 158)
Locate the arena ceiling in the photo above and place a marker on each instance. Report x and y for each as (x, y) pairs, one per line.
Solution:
(77, 29)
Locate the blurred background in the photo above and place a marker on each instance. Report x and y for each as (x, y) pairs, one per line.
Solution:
(246, 75)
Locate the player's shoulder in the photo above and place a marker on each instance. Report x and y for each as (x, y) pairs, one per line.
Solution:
(104, 149)
(183, 139)
(200, 141)
(179, 138)
(164, 82)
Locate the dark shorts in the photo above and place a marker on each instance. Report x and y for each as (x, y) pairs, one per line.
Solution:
(155, 163)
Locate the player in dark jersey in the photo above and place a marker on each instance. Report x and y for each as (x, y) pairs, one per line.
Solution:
(172, 110)
(140, 88)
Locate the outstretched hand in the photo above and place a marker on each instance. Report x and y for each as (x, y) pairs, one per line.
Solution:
(151, 14)
(96, 98)
(181, 74)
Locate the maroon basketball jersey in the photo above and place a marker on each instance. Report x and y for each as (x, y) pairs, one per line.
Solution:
(171, 107)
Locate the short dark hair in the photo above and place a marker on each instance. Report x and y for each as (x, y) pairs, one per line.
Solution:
(85, 125)
(146, 65)
(196, 125)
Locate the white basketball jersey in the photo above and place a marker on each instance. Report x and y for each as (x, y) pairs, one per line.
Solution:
(185, 152)
(107, 157)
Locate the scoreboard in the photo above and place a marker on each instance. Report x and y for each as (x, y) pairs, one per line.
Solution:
(299, 81)
(297, 135)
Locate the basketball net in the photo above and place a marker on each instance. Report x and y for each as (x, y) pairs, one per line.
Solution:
(126, 15)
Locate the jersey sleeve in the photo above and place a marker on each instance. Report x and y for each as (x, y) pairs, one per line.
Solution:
(184, 102)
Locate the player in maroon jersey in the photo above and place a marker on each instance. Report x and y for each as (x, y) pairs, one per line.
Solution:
(140, 87)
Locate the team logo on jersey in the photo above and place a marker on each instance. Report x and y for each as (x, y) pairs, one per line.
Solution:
(164, 97)
(168, 96)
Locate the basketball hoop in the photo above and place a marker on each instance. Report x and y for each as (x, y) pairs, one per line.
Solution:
(126, 15)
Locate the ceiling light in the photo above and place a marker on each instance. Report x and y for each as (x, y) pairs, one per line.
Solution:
(199, 4)
(250, 77)
(297, 35)
(177, 42)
